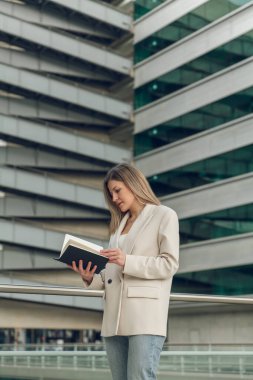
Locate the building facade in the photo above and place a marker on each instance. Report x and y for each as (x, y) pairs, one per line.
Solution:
(194, 142)
(66, 92)
(65, 119)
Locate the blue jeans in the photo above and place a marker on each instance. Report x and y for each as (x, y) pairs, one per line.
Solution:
(134, 357)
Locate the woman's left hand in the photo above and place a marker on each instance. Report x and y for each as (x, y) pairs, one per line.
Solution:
(115, 256)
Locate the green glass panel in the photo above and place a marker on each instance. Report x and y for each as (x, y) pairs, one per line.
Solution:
(218, 59)
(213, 169)
(142, 7)
(223, 281)
(212, 115)
(184, 26)
(228, 222)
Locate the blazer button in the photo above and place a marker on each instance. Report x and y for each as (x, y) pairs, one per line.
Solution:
(109, 281)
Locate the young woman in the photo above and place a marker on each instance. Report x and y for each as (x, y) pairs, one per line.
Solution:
(143, 257)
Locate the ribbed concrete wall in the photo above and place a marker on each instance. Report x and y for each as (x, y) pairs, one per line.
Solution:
(65, 119)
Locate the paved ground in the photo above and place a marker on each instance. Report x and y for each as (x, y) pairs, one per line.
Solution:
(70, 374)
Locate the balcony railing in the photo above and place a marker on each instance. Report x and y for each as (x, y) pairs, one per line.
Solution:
(210, 361)
(90, 362)
(67, 291)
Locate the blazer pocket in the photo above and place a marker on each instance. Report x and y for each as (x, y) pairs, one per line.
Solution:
(143, 292)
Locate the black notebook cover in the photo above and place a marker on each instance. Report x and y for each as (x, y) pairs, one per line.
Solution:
(75, 254)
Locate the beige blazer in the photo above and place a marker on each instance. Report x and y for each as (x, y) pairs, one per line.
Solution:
(137, 297)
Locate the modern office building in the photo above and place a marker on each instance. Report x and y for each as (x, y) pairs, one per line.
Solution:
(66, 91)
(65, 119)
(194, 142)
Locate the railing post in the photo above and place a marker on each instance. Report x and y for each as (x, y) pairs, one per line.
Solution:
(210, 366)
(42, 361)
(75, 362)
(93, 363)
(241, 367)
(59, 361)
(182, 367)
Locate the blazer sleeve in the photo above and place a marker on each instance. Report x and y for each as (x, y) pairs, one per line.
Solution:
(165, 264)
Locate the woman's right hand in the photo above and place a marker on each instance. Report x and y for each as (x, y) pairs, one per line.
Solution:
(87, 273)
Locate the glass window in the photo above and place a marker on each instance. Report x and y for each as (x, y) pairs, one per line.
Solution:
(228, 222)
(213, 169)
(184, 26)
(224, 281)
(141, 7)
(212, 115)
(218, 59)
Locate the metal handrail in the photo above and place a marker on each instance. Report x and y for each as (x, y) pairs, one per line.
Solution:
(74, 291)
(103, 353)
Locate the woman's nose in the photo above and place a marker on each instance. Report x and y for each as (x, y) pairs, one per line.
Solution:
(114, 197)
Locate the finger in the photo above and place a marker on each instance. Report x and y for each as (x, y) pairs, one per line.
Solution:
(80, 265)
(114, 261)
(88, 268)
(94, 269)
(113, 258)
(74, 267)
(110, 253)
(107, 250)
(113, 255)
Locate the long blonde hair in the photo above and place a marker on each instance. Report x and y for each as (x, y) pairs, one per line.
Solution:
(136, 182)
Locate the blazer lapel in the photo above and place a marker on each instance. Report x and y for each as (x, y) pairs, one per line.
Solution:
(138, 226)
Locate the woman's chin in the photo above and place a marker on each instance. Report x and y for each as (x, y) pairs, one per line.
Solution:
(122, 208)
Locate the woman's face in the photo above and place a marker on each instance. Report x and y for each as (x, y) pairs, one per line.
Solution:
(121, 195)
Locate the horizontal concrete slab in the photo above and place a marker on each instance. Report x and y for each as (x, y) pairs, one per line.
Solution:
(232, 192)
(101, 11)
(47, 186)
(217, 253)
(217, 33)
(27, 259)
(161, 16)
(13, 105)
(55, 19)
(210, 143)
(39, 133)
(24, 207)
(20, 155)
(33, 237)
(211, 89)
(66, 92)
(45, 65)
(66, 44)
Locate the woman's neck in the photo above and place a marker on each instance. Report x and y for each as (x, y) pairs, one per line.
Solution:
(135, 211)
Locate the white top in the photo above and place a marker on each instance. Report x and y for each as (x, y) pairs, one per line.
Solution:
(121, 240)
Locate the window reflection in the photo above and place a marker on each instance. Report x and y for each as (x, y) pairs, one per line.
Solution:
(184, 26)
(229, 222)
(214, 114)
(213, 169)
(221, 58)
